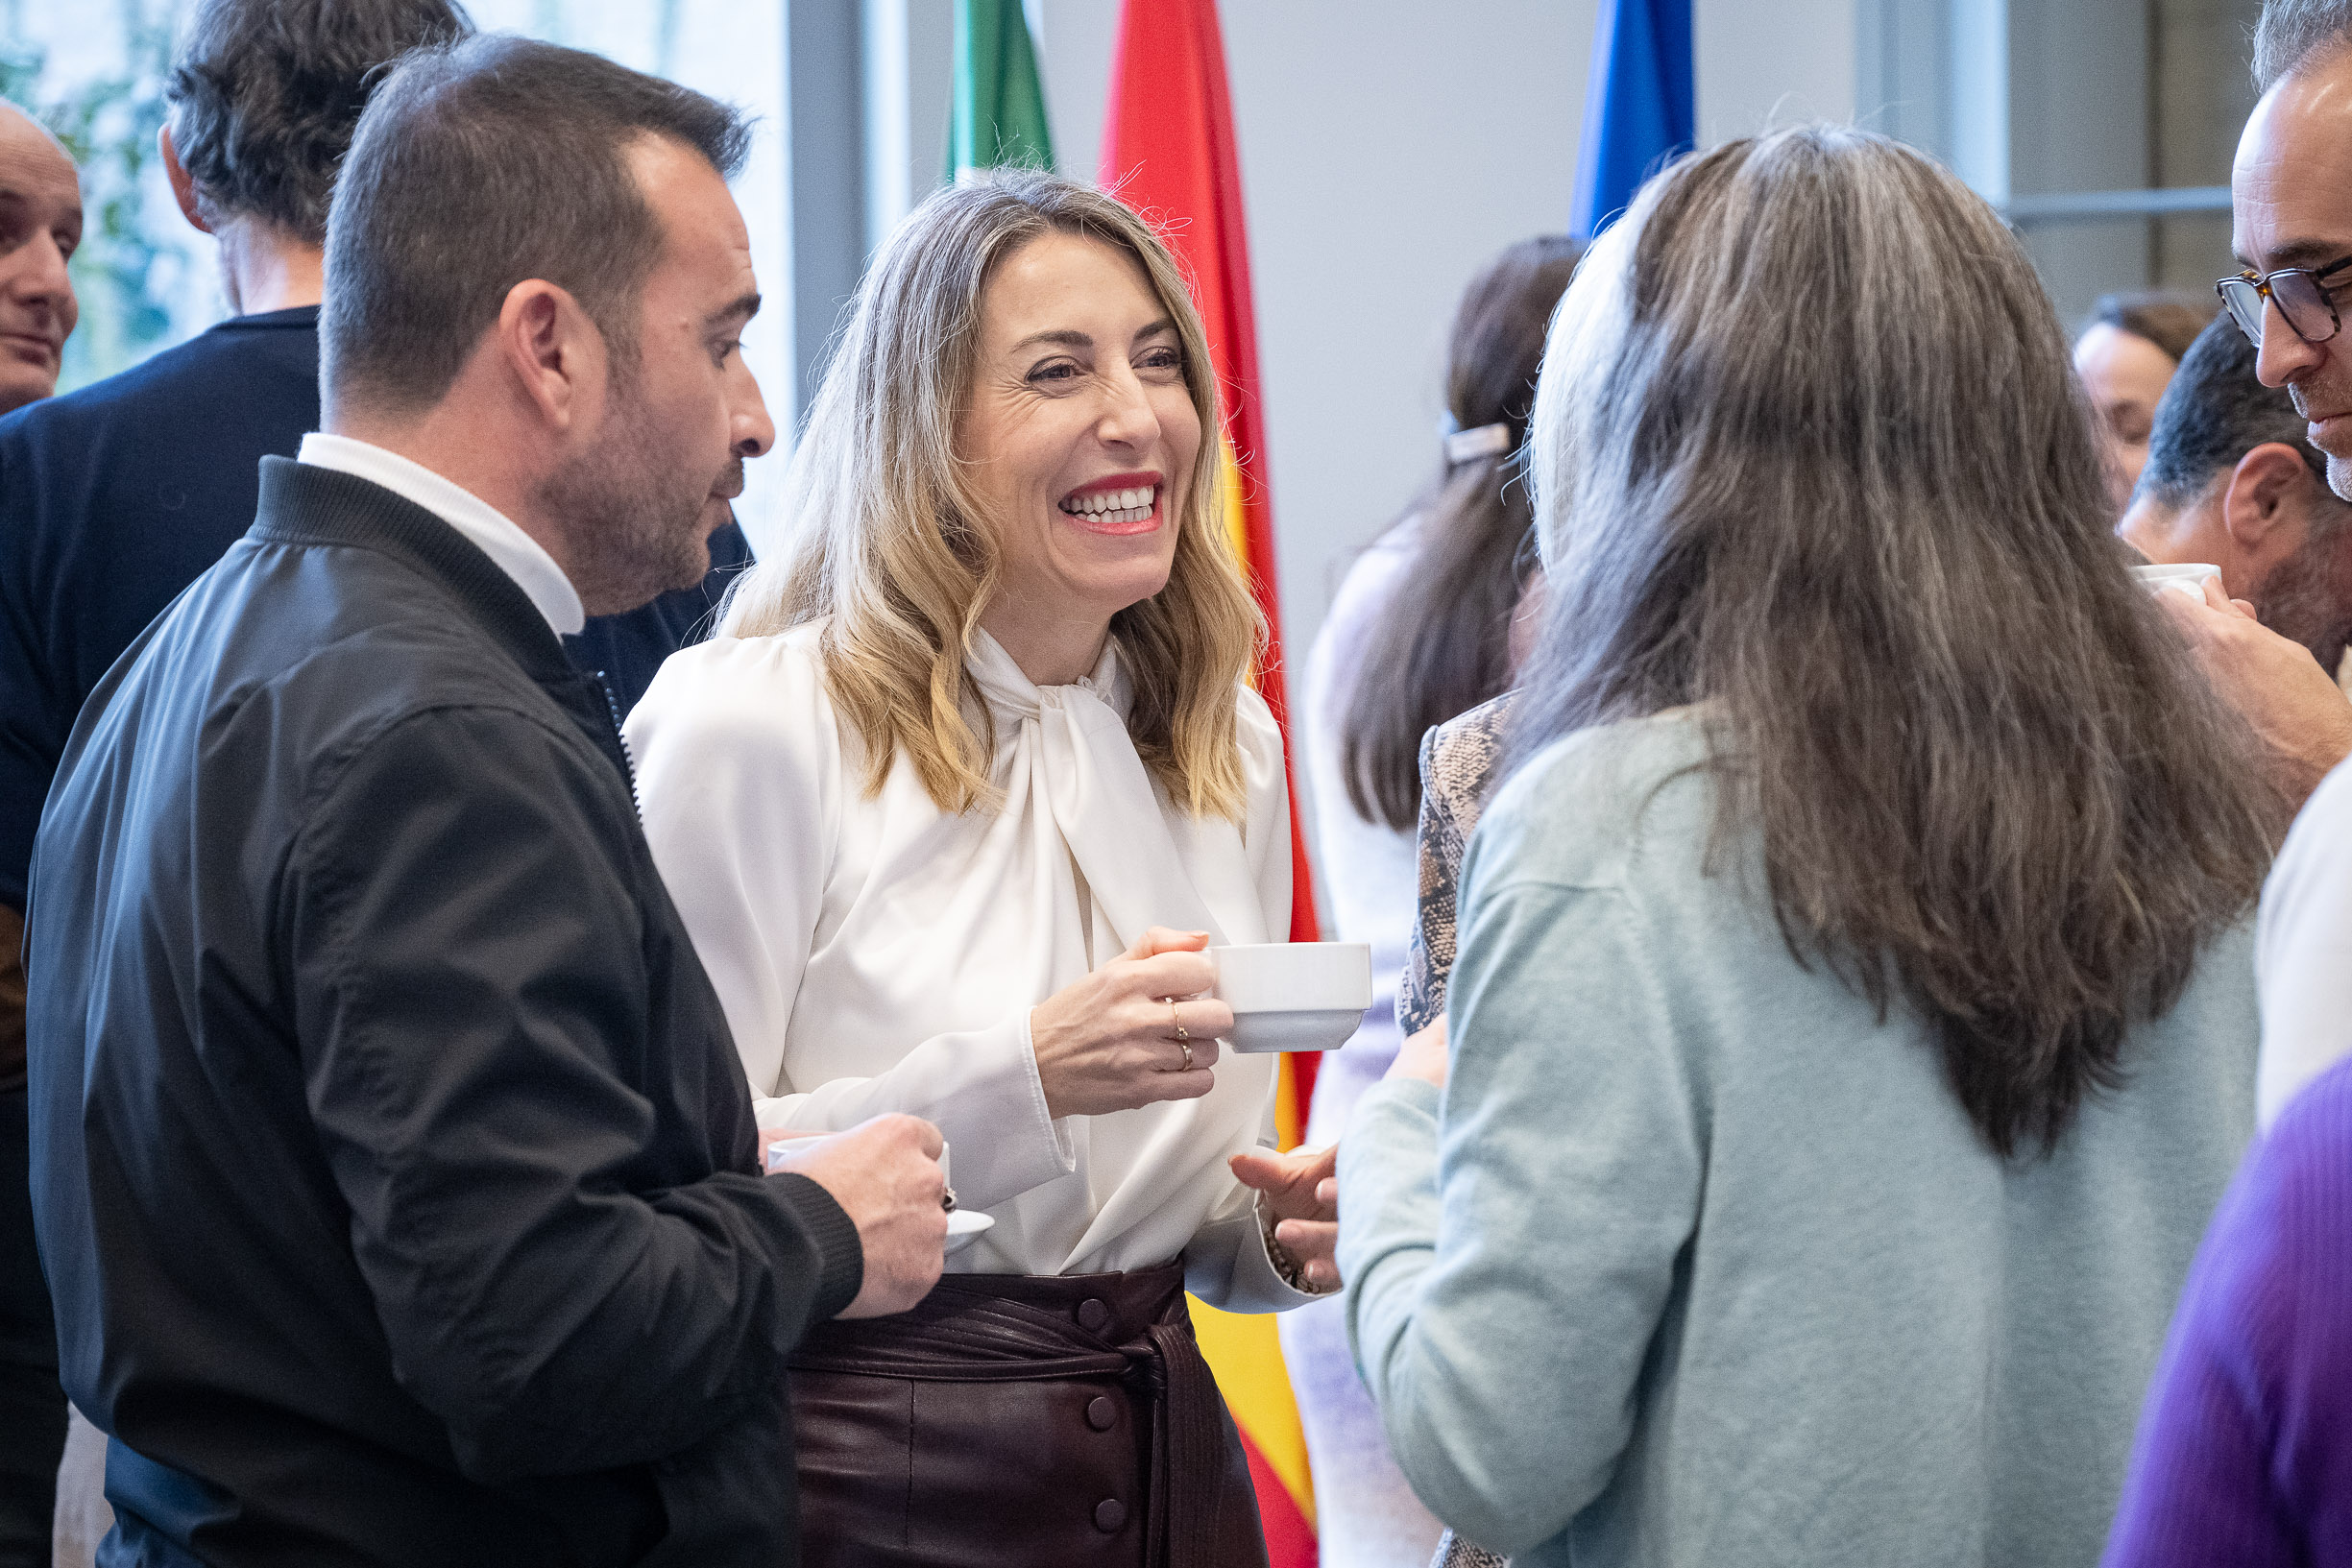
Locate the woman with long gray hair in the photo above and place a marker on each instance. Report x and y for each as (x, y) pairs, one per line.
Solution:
(1853, 1023)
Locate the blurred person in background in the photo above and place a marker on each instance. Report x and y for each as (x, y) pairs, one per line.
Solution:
(1854, 989)
(40, 226)
(2232, 479)
(1416, 634)
(2126, 357)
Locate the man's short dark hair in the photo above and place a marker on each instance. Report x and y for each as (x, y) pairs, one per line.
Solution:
(2292, 32)
(2214, 412)
(265, 95)
(479, 166)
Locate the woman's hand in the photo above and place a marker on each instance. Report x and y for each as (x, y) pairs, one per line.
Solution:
(1301, 1191)
(1111, 1041)
(1422, 1055)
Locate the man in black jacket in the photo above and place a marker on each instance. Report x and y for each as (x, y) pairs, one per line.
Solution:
(114, 498)
(394, 1172)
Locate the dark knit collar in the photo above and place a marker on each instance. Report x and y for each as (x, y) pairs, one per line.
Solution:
(293, 316)
(305, 504)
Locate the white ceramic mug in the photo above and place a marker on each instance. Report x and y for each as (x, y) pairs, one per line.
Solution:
(2189, 577)
(774, 1142)
(1293, 995)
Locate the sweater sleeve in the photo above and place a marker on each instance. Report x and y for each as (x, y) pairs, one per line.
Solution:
(741, 782)
(2244, 1453)
(1510, 1250)
(470, 990)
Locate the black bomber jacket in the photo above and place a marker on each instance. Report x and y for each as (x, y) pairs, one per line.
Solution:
(394, 1172)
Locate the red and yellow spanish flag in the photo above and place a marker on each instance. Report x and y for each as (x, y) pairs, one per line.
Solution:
(1168, 150)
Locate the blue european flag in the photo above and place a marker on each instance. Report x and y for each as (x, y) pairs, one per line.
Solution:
(1640, 105)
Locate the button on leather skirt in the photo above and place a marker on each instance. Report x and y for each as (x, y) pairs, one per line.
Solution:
(1021, 1422)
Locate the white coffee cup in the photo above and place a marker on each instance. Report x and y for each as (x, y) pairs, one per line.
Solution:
(1293, 995)
(775, 1139)
(2189, 577)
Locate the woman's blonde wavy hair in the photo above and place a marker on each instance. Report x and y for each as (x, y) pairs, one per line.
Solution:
(886, 547)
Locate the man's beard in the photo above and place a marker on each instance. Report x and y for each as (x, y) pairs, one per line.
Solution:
(633, 514)
(2302, 598)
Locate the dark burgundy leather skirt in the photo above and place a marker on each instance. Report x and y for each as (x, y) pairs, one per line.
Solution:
(1013, 1421)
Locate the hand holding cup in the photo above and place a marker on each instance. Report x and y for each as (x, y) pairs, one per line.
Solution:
(1136, 1032)
(885, 1175)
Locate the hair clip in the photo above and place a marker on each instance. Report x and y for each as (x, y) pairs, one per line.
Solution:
(1483, 441)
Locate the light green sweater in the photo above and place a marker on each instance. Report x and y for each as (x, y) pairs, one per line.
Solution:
(1698, 1263)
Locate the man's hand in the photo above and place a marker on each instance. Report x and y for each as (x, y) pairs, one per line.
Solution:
(2297, 709)
(884, 1174)
(1303, 1194)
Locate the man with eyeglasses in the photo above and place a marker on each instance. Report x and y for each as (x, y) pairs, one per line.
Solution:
(2245, 1449)
(2292, 196)
(2291, 200)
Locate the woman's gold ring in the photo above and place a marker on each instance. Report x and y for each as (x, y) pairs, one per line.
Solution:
(1188, 1055)
(1178, 1019)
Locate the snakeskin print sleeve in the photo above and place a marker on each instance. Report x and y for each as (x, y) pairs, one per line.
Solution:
(1459, 760)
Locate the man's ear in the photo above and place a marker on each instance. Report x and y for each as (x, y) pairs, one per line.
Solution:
(2266, 494)
(183, 184)
(551, 350)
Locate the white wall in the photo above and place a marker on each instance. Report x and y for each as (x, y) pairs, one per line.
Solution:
(1773, 61)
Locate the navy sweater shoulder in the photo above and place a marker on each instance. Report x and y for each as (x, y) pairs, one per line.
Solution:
(114, 498)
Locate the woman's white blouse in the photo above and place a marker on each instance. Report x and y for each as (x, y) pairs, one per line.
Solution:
(875, 953)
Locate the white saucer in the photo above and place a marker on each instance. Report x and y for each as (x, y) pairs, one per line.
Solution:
(965, 1224)
(1294, 1028)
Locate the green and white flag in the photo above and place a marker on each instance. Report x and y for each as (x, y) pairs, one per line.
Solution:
(999, 113)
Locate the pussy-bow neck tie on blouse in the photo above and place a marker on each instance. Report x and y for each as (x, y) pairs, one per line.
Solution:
(1073, 764)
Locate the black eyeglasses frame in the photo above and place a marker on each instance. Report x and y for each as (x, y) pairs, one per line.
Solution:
(2243, 296)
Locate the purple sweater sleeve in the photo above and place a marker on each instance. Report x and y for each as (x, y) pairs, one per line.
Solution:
(2244, 1453)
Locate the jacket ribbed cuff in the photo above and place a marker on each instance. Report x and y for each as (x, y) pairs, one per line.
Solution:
(840, 1254)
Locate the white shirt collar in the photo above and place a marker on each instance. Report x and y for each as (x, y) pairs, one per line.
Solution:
(1003, 683)
(488, 530)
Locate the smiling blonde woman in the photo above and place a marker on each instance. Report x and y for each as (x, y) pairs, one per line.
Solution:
(950, 808)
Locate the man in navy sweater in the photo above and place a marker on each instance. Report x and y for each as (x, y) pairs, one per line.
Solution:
(40, 223)
(114, 498)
